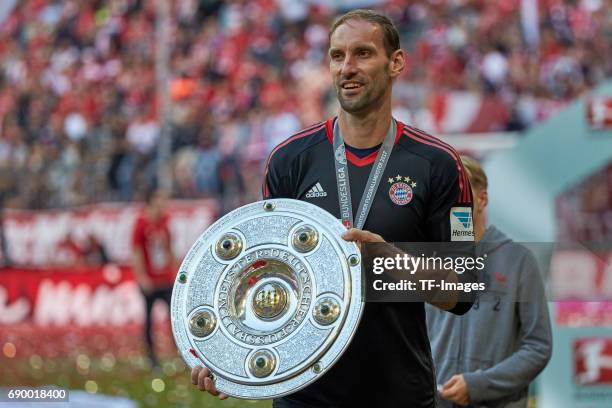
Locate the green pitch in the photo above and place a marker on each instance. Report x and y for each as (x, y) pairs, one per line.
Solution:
(166, 386)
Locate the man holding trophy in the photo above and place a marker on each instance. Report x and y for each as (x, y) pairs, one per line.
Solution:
(403, 183)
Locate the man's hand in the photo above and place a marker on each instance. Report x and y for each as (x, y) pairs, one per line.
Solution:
(456, 390)
(200, 376)
(360, 236)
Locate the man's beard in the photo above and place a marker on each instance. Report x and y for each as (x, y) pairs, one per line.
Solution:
(354, 104)
(366, 99)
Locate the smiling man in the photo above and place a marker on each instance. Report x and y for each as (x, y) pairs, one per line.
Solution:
(403, 184)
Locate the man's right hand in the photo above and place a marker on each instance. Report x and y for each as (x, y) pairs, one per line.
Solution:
(200, 376)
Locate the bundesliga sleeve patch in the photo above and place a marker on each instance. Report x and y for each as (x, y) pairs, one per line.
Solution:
(461, 225)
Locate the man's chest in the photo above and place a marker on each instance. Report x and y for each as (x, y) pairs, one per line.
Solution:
(398, 209)
(155, 234)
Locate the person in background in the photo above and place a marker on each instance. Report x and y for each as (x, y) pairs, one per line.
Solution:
(153, 261)
(488, 357)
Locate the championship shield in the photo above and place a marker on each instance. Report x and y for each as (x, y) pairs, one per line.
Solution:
(268, 298)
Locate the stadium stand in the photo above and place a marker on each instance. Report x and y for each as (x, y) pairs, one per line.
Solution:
(79, 117)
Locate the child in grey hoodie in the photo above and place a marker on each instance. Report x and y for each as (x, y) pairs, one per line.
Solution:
(488, 357)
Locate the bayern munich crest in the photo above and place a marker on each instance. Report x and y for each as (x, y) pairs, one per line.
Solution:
(400, 191)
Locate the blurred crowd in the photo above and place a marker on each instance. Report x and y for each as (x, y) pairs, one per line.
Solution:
(81, 116)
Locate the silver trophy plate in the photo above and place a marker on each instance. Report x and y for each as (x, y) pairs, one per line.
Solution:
(268, 298)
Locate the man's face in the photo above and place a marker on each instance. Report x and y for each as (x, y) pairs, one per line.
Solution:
(158, 202)
(359, 65)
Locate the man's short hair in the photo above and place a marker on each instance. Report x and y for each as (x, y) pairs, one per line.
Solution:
(478, 178)
(391, 38)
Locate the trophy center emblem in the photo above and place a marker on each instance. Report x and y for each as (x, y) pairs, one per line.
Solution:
(270, 301)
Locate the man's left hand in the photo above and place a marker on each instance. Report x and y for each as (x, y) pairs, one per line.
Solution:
(456, 390)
